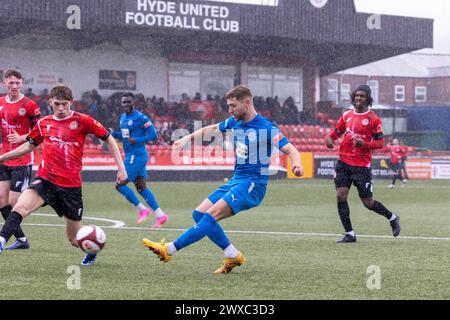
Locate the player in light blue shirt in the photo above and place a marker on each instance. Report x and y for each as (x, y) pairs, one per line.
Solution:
(255, 139)
(136, 129)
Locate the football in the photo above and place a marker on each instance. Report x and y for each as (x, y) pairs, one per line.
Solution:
(91, 239)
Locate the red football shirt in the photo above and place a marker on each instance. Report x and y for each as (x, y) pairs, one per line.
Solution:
(63, 142)
(19, 116)
(397, 152)
(365, 125)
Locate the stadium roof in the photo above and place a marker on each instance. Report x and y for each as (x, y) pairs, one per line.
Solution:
(417, 65)
(329, 34)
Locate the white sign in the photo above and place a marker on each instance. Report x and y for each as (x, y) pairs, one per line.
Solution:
(440, 170)
(41, 80)
(181, 15)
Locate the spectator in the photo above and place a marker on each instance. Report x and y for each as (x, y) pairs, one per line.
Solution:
(96, 97)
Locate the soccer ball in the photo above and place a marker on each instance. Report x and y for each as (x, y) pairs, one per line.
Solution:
(91, 239)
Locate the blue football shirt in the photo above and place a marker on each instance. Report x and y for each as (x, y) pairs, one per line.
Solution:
(254, 143)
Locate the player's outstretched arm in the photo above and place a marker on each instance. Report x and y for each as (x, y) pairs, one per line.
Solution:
(199, 133)
(294, 155)
(19, 151)
(114, 148)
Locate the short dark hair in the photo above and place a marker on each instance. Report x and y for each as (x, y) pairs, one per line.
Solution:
(12, 73)
(239, 92)
(128, 94)
(61, 92)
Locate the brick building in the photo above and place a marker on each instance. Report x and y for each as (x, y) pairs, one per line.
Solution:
(412, 79)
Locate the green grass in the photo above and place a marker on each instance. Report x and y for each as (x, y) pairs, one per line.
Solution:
(280, 266)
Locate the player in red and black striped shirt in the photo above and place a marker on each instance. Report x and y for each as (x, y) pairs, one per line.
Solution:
(363, 133)
(397, 153)
(18, 115)
(58, 179)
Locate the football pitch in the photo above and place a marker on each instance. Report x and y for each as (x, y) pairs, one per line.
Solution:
(289, 242)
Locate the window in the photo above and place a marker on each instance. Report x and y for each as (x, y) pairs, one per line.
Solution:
(277, 82)
(206, 79)
(345, 92)
(421, 94)
(333, 90)
(373, 84)
(399, 93)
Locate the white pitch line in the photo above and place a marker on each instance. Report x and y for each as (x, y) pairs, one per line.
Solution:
(277, 233)
(116, 223)
(313, 234)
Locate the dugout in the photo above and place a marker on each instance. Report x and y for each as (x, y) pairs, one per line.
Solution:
(166, 48)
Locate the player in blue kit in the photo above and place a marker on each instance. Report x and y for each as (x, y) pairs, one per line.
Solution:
(136, 130)
(255, 138)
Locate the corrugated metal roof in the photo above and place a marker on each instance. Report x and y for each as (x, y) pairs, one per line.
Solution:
(417, 65)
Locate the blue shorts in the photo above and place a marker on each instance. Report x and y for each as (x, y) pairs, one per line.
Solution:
(240, 195)
(136, 166)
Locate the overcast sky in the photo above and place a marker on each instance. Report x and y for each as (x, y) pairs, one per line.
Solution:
(439, 10)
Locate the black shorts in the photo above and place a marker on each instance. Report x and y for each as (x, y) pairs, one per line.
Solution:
(66, 202)
(18, 175)
(395, 167)
(360, 177)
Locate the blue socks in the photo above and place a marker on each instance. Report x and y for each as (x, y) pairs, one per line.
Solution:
(146, 194)
(197, 216)
(150, 199)
(206, 226)
(129, 194)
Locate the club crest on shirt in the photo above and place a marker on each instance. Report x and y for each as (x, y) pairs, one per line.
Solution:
(73, 125)
(130, 122)
(365, 122)
(1, 108)
(22, 111)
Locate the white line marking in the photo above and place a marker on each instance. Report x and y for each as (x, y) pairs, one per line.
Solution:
(117, 224)
(307, 234)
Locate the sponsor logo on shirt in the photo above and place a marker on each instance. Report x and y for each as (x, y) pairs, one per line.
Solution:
(62, 142)
(10, 126)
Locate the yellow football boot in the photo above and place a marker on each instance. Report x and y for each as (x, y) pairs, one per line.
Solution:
(160, 249)
(230, 263)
